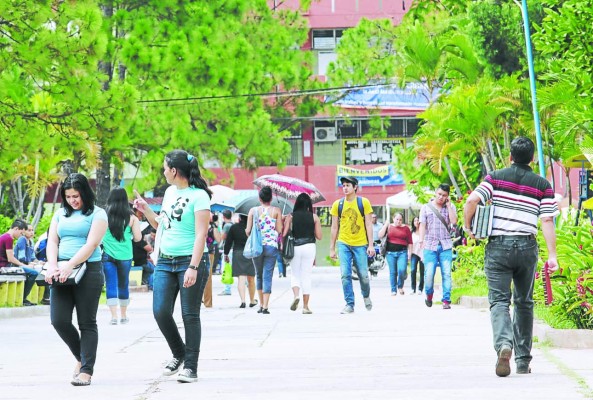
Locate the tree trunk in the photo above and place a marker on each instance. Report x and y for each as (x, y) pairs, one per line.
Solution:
(103, 178)
(39, 209)
(452, 177)
(568, 186)
(462, 171)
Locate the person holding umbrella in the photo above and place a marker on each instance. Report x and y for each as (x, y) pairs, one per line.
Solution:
(269, 219)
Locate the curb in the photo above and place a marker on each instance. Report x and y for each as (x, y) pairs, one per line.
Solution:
(562, 338)
(24, 312)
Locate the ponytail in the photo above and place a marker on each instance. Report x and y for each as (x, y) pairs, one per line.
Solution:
(195, 177)
(187, 166)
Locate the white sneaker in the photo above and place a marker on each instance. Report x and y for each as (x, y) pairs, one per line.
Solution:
(347, 310)
(368, 303)
(187, 376)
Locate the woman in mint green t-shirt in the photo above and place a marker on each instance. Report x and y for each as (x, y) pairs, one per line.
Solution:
(117, 252)
(183, 266)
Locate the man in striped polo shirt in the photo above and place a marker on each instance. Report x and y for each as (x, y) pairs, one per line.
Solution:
(519, 197)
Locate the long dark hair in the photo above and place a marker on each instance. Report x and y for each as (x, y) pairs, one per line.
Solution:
(80, 183)
(303, 203)
(118, 212)
(414, 225)
(187, 166)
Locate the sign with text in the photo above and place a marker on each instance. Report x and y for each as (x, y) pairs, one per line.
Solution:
(380, 176)
(375, 151)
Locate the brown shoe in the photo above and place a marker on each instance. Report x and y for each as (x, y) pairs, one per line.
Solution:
(503, 367)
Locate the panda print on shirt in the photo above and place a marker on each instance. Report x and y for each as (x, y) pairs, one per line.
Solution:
(178, 208)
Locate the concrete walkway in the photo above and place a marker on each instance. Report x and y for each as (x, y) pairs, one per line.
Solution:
(399, 350)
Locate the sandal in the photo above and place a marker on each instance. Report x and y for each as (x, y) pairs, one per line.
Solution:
(79, 382)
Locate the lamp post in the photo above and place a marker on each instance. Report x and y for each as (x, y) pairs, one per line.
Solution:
(538, 133)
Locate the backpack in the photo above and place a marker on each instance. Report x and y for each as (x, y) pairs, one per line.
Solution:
(358, 202)
(360, 209)
(40, 253)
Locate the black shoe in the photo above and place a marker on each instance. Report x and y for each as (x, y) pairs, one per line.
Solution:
(523, 369)
(265, 311)
(27, 303)
(253, 304)
(428, 302)
(45, 302)
(503, 367)
(261, 309)
(242, 305)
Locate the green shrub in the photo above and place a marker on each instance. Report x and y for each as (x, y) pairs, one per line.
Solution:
(468, 276)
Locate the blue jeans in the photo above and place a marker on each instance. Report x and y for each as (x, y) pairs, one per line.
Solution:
(397, 276)
(414, 263)
(444, 259)
(117, 280)
(512, 259)
(30, 275)
(83, 297)
(358, 255)
(147, 273)
(264, 268)
(168, 282)
(281, 266)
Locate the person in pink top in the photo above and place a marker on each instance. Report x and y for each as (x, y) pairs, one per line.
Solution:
(399, 251)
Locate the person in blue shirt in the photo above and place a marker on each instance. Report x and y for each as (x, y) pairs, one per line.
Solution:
(74, 237)
(183, 265)
(23, 251)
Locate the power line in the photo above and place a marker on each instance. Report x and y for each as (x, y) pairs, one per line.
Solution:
(293, 93)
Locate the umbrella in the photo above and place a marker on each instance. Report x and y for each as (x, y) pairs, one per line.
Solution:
(289, 187)
(229, 204)
(244, 206)
(221, 193)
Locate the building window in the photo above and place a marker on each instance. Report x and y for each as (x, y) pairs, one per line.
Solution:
(326, 39)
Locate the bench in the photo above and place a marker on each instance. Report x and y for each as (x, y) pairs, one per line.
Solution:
(11, 290)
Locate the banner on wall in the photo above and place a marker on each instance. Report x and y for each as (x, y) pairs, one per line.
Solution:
(380, 176)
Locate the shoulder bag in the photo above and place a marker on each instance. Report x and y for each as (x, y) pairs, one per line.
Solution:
(254, 246)
(439, 216)
(74, 278)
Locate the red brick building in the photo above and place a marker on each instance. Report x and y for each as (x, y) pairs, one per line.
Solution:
(326, 143)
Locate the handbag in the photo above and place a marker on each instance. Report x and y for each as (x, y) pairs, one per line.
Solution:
(288, 244)
(383, 245)
(227, 274)
(482, 221)
(254, 247)
(74, 278)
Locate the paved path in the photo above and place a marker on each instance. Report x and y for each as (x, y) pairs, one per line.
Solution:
(399, 350)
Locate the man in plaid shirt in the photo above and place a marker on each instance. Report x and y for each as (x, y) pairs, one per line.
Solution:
(435, 240)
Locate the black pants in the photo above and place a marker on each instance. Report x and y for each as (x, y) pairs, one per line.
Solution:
(85, 298)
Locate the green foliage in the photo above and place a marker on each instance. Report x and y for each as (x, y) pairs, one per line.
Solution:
(469, 265)
(497, 29)
(572, 284)
(5, 223)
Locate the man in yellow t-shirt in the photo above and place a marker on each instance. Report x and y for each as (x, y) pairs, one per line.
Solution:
(352, 228)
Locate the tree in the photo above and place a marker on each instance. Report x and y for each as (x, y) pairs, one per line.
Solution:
(215, 58)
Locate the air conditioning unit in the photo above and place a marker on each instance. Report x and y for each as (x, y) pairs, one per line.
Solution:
(325, 134)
